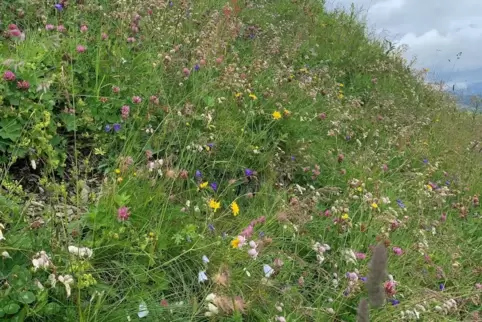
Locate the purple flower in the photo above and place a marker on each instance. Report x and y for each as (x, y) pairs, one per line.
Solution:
(441, 286)
(198, 174)
(292, 158)
(211, 145)
(447, 183)
(211, 227)
(400, 203)
(116, 127)
(108, 128)
(197, 67)
(59, 7)
(261, 234)
(170, 3)
(248, 172)
(394, 302)
(425, 161)
(214, 186)
(347, 138)
(363, 278)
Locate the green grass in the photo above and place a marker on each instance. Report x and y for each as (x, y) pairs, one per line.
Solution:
(349, 163)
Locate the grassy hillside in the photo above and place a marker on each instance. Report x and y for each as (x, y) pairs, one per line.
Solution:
(227, 161)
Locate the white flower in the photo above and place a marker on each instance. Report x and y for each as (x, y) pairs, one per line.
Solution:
(5, 255)
(143, 311)
(39, 285)
(280, 319)
(205, 259)
(252, 244)
(67, 280)
(349, 256)
(253, 253)
(1, 232)
(330, 310)
(268, 271)
(211, 297)
(82, 252)
(202, 277)
(41, 260)
(52, 280)
(213, 308)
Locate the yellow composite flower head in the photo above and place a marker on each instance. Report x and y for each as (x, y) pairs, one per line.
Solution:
(253, 96)
(345, 217)
(235, 243)
(276, 115)
(214, 205)
(374, 205)
(203, 185)
(235, 208)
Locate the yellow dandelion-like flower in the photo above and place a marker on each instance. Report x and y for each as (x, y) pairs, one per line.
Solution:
(214, 205)
(235, 208)
(374, 205)
(360, 189)
(429, 187)
(237, 95)
(253, 96)
(117, 171)
(203, 185)
(235, 243)
(345, 217)
(276, 115)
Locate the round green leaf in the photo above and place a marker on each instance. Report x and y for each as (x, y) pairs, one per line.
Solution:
(26, 297)
(11, 308)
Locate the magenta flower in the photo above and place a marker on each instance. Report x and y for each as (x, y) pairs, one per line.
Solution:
(125, 111)
(61, 28)
(154, 100)
(360, 255)
(9, 76)
(104, 36)
(49, 27)
(186, 71)
(84, 28)
(136, 99)
(116, 89)
(123, 213)
(397, 251)
(80, 49)
(23, 85)
(131, 39)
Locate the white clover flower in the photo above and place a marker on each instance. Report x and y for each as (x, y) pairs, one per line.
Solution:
(67, 280)
(82, 252)
(41, 260)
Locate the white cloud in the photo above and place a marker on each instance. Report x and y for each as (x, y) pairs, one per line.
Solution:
(435, 30)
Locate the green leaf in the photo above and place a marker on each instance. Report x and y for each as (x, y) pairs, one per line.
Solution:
(11, 308)
(51, 308)
(10, 129)
(26, 297)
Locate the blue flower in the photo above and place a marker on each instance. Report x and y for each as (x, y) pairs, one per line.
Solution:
(441, 286)
(108, 128)
(198, 174)
(248, 172)
(117, 127)
(59, 7)
(214, 186)
(202, 277)
(197, 67)
(400, 203)
(211, 227)
(425, 161)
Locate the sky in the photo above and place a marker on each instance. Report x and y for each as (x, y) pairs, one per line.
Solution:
(434, 30)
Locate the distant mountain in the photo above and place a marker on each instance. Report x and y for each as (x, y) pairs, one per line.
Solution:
(464, 96)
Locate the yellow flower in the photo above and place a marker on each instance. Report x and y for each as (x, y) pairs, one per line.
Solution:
(203, 185)
(286, 112)
(345, 217)
(235, 242)
(237, 95)
(235, 208)
(120, 179)
(340, 95)
(341, 85)
(253, 96)
(429, 187)
(117, 171)
(360, 189)
(374, 205)
(276, 115)
(214, 205)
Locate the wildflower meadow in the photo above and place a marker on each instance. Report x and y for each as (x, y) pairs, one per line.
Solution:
(230, 160)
